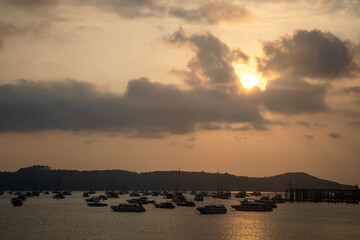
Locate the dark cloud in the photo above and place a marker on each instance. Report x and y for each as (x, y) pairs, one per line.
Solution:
(212, 64)
(213, 13)
(31, 3)
(352, 90)
(334, 135)
(313, 54)
(303, 123)
(290, 95)
(147, 109)
(210, 126)
(356, 123)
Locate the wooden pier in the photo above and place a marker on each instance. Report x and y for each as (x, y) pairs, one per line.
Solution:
(324, 195)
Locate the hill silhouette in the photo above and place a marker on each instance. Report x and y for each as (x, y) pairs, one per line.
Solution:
(45, 178)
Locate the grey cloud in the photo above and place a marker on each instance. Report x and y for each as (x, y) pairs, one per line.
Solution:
(334, 135)
(356, 123)
(148, 110)
(210, 126)
(351, 90)
(290, 95)
(213, 13)
(212, 63)
(31, 3)
(303, 123)
(313, 54)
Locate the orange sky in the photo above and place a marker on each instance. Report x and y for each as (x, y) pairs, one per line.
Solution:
(155, 85)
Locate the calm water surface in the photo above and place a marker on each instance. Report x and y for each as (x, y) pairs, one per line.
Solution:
(46, 218)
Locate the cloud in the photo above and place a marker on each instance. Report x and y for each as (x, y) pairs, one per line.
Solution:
(31, 3)
(213, 13)
(212, 64)
(334, 135)
(313, 54)
(130, 9)
(8, 29)
(303, 123)
(351, 90)
(210, 126)
(290, 95)
(148, 110)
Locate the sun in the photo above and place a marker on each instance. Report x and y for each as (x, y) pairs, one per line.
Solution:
(249, 81)
(248, 76)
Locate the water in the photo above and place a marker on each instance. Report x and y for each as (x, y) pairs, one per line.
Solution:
(46, 218)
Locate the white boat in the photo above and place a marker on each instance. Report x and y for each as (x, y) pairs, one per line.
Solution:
(128, 207)
(212, 209)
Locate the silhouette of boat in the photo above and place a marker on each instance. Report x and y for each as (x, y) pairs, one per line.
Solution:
(134, 194)
(97, 204)
(59, 195)
(266, 201)
(17, 202)
(241, 194)
(141, 200)
(256, 193)
(155, 193)
(168, 205)
(93, 199)
(186, 204)
(253, 206)
(199, 198)
(128, 207)
(212, 209)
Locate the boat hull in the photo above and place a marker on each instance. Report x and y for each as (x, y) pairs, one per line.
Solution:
(252, 208)
(128, 208)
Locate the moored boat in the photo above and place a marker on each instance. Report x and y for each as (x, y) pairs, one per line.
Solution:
(168, 205)
(128, 207)
(141, 200)
(186, 204)
(199, 198)
(212, 209)
(97, 204)
(17, 202)
(59, 195)
(253, 206)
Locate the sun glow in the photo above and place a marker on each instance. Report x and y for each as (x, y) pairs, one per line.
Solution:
(248, 75)
(249, 81)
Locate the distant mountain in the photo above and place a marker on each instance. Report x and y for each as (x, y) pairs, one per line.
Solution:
(45, 178)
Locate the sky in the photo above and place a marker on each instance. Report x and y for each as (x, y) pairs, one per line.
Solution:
(251, 88)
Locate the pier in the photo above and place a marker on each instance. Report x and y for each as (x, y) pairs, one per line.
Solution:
(324, 195)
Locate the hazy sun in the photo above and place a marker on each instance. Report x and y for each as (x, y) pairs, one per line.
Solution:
(249, 81)
(248, 76)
